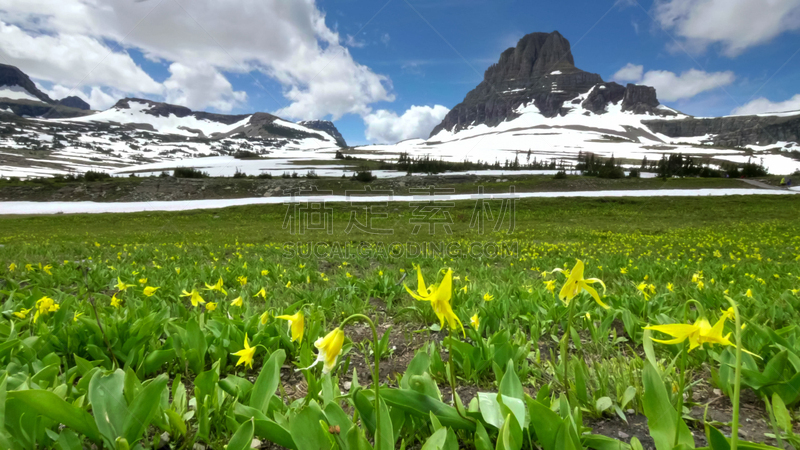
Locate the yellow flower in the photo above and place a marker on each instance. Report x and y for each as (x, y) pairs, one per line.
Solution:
(729, 313)
(211, 306)
(623, 270)
(329, 348)
(216, 287)
(642, 288)
(29, 267)
(700, 285)
(47, 269)
(149, 291)
(23, 313)
(262, 293)
(699, 333)
(142, 280)
(246, 354)
(550, 285)
(178, 270)
(439, 296)
(576, 283)
(652, 288)
(195, 297)
(12, 267)
(237, 302)
(464, 289)
(749, 293)
(242, 280)
(795, 291)
(487, 297)
(265, 318)
(697, 277)
(670, 287)
(289, 284)
(75, 317)
(296, 325)
(123, 286)
(115, 301)
(43, 306)
(302, 266)
(380, 273)
(347, 274)
(475, 321)
(264, 272)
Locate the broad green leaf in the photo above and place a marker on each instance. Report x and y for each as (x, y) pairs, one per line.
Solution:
(157, 358)
(306, 431)
(510, 385)
(387, 431)
(420, 405)
(243, 436)
(143, 408)
(661, 415)
(627, 396)
(436, 441)
(267, 381)
(602, 404)
(782, 415)
(51, 406)
(600, 442)
(482, 441)
(108, 404)
(546, 423)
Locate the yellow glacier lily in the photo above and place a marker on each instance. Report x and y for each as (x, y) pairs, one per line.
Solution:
(195, 297)
(475, 321)
(576, 283)
(487, 297)
(329, 348)
(149, 291)
(237, 302)
(121, 286)
(296, 325)
(439, 296)
(699, 333)
(246, 354)
(216, 287)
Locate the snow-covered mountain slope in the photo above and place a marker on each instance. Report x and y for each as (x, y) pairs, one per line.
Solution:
(137, 131)
(624, 134)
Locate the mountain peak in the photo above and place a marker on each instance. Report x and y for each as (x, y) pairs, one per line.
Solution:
(328, 127)
(11, 76)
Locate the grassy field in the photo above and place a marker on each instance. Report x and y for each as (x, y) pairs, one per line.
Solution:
(166, 330)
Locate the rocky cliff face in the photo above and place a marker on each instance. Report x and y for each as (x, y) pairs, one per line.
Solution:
(74, 102)
(326, 126)
(160, 109)
(733, 131)
(11, 76)
(541, 69)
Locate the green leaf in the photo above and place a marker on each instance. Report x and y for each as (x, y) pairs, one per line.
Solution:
(627, 396)
(69, 440)
(782, 415)
(482, 441)
(108, 404)
(267, 381)
(602, 404)
(420, 405)
(235, 386)
(436, 441)
(661, 415)
(387, 431)
(510, 385)
(546, 423)
(243, 437)
(157, 358)
(196, 345)
(143, 408)
(53, 407)
(306, 431)
(600, 442)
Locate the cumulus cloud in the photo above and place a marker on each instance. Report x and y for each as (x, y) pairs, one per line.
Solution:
(287, 41)
(671, 86)
(387, 127)
(630, 72)
(199, 86)
(97, 98)
(763, 105)
(735, 24)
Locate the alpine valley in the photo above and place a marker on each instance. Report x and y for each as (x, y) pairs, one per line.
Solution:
(534, 105)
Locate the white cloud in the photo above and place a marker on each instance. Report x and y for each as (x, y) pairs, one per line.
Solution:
(385, 38)
(201, 85)
(417, 122)
(288, 41)
(670, 86)
(630, 72)
(763, 105)
(97, 98)
(735, 24)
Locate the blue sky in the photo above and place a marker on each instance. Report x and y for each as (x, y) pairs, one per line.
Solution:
(705, 57)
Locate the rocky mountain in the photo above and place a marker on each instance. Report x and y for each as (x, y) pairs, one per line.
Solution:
(11, 77)
(540, 70)
(74, 102)
(326, 126)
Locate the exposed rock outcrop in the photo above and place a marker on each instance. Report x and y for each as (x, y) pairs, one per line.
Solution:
(74, 102)
(732, 131)
(326, 126)
(603, 94)
(12, 76)
(642, 100)
(160, 109)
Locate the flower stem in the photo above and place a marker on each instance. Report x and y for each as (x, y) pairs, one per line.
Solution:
(452, 377)
(375, 372)
(681, 387)
(737, 378)
(565, 346)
